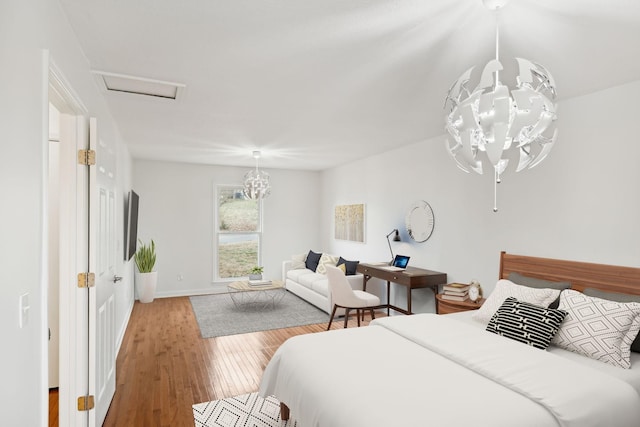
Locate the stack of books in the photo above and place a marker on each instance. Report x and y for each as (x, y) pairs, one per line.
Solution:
(455, 292)
(258, 283)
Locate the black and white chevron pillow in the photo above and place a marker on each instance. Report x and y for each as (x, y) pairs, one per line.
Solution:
(527, 323)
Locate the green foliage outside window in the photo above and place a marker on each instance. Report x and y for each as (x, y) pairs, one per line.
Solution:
(239, 233)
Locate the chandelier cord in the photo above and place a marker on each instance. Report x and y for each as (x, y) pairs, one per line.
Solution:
(497, 11)
(496, 181)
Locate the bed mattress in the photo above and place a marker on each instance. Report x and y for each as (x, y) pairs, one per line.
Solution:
(442, 371)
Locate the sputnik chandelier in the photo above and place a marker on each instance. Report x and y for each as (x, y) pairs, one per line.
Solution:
(256, 182)
(493, 121)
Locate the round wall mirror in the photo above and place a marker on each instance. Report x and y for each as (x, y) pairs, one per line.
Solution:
(420, 221)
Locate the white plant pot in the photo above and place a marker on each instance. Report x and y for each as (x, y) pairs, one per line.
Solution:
(146, 286)
(255, 276)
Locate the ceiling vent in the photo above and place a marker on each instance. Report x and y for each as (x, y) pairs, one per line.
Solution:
(113, 82)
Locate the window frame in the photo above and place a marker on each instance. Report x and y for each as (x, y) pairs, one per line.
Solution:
(217, 233)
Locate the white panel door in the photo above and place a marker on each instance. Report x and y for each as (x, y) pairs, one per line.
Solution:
(102, 247)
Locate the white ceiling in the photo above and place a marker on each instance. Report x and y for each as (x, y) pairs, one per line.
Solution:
(318, 83)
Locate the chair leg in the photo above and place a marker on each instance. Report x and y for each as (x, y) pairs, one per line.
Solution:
(333, 313)
(358, 312)
(346, 316)
(373, 314)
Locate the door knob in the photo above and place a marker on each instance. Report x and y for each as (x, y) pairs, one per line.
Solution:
(116, 279)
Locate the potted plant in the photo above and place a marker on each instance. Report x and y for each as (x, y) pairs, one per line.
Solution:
(256, 273)
(146, 278)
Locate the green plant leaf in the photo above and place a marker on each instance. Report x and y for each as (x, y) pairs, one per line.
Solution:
(145, 257)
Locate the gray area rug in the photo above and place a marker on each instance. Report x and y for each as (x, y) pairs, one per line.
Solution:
(245, 410)
(217, 315)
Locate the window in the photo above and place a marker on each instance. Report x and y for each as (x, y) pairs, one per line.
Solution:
(238, 231)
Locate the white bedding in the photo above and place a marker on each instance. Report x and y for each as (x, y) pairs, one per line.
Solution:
(439, 371)
(631, 376)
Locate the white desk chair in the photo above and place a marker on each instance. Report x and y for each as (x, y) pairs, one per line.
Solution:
(343, 296)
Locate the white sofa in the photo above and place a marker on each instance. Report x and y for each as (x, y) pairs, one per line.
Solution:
(314, 287)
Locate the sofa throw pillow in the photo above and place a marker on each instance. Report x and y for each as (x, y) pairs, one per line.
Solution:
(506, 288)
(350, 266)
(297, 261)
(312, 260)
(526, 323)
(343, 268)
(534, 282)
(614, 296)
(600, 329)
(325, 260)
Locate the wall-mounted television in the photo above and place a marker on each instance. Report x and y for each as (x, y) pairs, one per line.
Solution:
(131, 225)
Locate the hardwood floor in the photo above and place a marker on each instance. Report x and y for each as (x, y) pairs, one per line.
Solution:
(53, 407)
(164, 367)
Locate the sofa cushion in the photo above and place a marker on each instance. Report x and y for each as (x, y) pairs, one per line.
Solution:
(295, 275)
(312, 260)
(307, 280)
(325, 260)
(321, 286)
(350, 266)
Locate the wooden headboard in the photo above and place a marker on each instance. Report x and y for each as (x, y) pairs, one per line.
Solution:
(581, 275)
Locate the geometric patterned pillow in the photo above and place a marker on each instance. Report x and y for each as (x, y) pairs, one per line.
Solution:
(599, 329)
(614, 296)
(533, 282)
(326, 259)
(526, 323)
(506, 288)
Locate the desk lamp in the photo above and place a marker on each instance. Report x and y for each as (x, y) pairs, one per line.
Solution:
(396, 238)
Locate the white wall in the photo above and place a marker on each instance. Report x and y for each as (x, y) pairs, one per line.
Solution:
(29, 30)
(581, 203)
(177, 211)
(22, 156)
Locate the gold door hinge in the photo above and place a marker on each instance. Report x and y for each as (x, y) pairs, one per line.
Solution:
(86, 280)
(86, 157)
(86, 403)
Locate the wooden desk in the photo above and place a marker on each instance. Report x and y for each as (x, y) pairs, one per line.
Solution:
(411, 278)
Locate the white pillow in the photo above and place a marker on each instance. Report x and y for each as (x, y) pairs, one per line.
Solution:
(325, 260)
(297, 261)
(506, 288)
(599, 329)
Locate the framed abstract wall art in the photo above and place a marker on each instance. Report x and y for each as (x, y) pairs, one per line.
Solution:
(349, 222)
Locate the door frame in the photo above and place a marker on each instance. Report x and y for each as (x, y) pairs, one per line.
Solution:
(74, 209)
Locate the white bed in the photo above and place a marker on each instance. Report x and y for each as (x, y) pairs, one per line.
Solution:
(430, 370)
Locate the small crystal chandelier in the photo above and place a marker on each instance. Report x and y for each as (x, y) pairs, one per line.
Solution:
(497, 120)
(256, 182)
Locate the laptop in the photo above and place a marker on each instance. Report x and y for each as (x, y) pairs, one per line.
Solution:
(399, 263)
